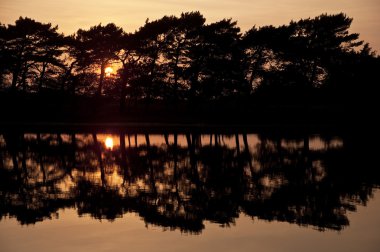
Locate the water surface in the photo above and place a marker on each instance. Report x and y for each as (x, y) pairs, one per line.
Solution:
(169, 192)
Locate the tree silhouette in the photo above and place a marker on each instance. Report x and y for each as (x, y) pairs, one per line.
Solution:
(152, 39)
(298, 55)
(319, 40)
(216, 68)
(179, 187)
(98, 48)
(177, 51)
(130, 70)
(263, 55)
(5, 55)
(35, 50)
(313, 62)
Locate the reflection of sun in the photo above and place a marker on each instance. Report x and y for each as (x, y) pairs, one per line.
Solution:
(109, 143)
(108, 71)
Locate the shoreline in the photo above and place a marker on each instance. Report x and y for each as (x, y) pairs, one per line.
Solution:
(178, 128)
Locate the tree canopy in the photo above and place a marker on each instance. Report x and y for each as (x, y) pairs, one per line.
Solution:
(184, 58)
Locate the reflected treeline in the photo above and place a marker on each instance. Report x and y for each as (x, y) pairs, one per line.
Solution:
(181, 181)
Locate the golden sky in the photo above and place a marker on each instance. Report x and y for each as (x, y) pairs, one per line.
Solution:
(70, 15)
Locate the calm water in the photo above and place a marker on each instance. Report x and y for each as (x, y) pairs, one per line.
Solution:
(188, 192)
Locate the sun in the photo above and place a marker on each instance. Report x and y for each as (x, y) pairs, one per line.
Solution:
(108, 71)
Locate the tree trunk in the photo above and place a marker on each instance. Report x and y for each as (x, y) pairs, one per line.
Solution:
(24, 73)
(255, 67)
(17, 70)
(245, 140)
(14, 78)
(123, 91)
(175, 70)
(42, 76)
(98, 153)
(149, 89)
(313, 73)
(147, 140)
(1, 79)
(72, 150)
(237, 143)
(123, 163)
(41, 159)
(102, 71)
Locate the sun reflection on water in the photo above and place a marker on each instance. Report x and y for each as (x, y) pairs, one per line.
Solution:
(109, 143)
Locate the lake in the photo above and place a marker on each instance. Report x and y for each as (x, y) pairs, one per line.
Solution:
(264, 190)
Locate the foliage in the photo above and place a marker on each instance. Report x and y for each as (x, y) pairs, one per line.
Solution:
(183, 58)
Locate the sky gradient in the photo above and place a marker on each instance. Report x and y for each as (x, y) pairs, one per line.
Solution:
(70, 15)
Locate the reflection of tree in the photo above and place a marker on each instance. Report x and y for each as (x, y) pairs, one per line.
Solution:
(30, 192)
(98, 201)
(178, 187)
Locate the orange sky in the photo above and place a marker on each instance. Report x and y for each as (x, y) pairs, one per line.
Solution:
(71, 15)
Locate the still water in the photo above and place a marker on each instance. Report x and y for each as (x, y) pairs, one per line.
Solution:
(188, 192)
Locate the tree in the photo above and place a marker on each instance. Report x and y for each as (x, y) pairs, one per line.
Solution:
(263, 54)
(34, 48)
(163, 47)
(297, 56)
(183, 35)
(181, 58)
(4, 54)
(98, 47)
(152, 40)
(130, 70)
(215, 69)
(48, 56)
(320, 41)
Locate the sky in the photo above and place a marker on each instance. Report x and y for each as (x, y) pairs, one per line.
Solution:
(70, 15)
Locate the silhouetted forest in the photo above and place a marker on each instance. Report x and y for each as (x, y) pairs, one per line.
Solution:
(184, 60)
(178, 181)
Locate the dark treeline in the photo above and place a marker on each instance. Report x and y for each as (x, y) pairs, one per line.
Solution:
(181, 181)
(313, 60)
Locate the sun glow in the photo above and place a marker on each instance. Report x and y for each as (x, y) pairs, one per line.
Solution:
(109, 143)
(108, 71)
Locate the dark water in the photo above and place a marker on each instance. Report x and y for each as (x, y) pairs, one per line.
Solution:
(188, 192)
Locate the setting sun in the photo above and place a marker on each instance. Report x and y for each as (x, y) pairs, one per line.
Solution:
(109, 143)
(108, 71)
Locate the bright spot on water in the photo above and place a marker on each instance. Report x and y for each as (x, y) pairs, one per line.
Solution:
(109, 143)
(108, 71)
